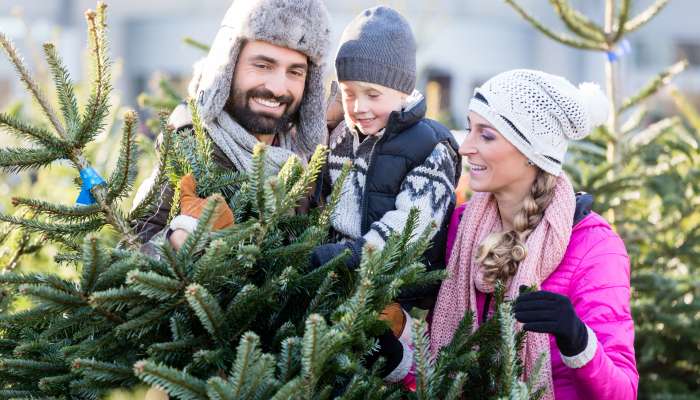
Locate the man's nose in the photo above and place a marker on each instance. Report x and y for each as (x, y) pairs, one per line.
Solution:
(277, 83)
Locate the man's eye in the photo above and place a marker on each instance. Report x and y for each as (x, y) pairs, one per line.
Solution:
(262, 66)
(297, 72)
(374, 95)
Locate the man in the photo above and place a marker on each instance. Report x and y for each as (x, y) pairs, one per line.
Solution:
(262, 81)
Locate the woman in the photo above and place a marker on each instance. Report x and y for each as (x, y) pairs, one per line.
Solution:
(517, 229)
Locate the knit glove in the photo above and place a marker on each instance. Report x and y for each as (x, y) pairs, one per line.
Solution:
(326, 252)
(192, 206)
(548, 312)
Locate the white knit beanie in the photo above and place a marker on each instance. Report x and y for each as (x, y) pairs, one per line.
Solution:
(538, 112)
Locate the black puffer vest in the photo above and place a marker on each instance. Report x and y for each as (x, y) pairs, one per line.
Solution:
(407, 142)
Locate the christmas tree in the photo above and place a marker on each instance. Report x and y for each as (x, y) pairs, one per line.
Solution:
(643, 174)
(233, 314)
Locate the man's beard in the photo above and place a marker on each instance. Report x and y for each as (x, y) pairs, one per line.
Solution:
(256, 123)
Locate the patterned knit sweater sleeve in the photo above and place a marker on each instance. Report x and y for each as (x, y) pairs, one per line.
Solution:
(429, 187)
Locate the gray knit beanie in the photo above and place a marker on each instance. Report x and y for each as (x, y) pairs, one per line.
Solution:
(378, 47)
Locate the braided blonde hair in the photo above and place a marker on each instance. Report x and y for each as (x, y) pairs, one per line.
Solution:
(500, 253)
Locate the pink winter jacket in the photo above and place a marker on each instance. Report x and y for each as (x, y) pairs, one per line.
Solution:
(595, 276)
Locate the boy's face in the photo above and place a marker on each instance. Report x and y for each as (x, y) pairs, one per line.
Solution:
(368, 106)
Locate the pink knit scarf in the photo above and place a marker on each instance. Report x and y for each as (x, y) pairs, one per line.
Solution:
(545, 250)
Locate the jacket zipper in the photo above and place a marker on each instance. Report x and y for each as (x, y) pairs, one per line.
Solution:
(363, 208)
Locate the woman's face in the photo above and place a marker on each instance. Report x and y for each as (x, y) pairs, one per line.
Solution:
(495, 165)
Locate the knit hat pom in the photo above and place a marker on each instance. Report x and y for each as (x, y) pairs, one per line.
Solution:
(596, 104)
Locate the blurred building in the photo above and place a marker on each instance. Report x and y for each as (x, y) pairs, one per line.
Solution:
(461, 42)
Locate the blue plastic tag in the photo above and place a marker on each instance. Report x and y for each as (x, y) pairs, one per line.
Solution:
(90, 179)
(618, 52)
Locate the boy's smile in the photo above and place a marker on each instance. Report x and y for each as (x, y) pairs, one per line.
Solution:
(368, 106)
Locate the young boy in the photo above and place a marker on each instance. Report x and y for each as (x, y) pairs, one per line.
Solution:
(401, 160)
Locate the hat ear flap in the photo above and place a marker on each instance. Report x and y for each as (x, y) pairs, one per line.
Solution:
(211, 84)
(312, 113)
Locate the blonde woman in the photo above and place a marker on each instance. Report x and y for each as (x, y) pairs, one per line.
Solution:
(517, 228)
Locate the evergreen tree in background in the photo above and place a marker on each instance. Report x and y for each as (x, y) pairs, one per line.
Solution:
(233, 314)
(644, 177)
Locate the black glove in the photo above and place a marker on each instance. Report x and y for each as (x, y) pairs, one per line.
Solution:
(548, 312)
(390, 348)
(326, 252)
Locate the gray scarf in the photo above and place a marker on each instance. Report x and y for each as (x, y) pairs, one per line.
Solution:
(238, 144)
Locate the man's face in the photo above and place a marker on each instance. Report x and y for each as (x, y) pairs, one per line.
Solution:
(267, 87)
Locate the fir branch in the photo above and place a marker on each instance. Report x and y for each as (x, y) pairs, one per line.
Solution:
(207, 309)
(95, 259)
(31, 367)
(155, 192)
(15, 160)
(636, 140)
(97, 107)
(632, 123)
(303, 184)
(140, 325)
(196, 44)
(173, 352)
(105, 372)
(509, 358)
(687, 109)
(583, 44)
(313, 352)
(247, 354)
(176, 383)
(456, 389)
(54, 384)
(324, 291)
(645, 16)
(219, 389)
(424, 371)
(653, 86)
(289, 360)
(64, 88)
(197, 240)
(125, 171)
(622, 19)
(55, 229)
(35, 134)
(577, 22)
(153, 285)
(52, 299)
(324, 219)
(115, 299)
(258, 180)
(58, 211)
(290, 390)
(31, 84)
(242, 308)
